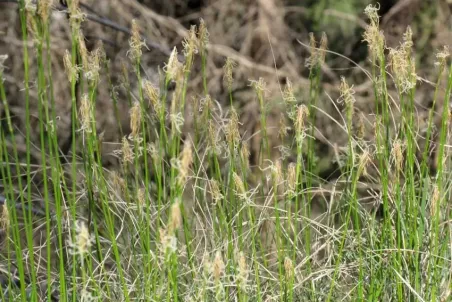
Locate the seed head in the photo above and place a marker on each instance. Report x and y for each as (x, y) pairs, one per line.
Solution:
(360, 129)
(291, 179)
(44, 9)
(177, 121)
(435, 200)
(175, 217)
(372, 13)
(203, 36)
(243, 271)
(190, 45)
(30, 7)
(83, 51)
(240, 187)
(136, 43)
(288, 267)
(228, 68)
(288, 94)
(71, 70)
(94, 61)
(212, 136)
(86, 114)
(153, 151)
(372, 35)
(278, 175)
(76, 15)
(173, 68)
(313, 59)
(245, 154)
(186, 161)
(402, 65)
(135, 119)
(259, 86)
(322, 48)
(440, 56)
(300, 121)
(218, 266)
(152, 93)
(5, 218)
(364, 160)
(215, 191)
(347, 93)
(127, 152)
(83, 240)
(168, 242)
(397, 154)
(283, 128)
(232, 130)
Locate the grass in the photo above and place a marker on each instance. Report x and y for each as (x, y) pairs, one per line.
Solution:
(180, 219)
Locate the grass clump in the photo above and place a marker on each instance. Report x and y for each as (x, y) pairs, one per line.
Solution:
(185, 217)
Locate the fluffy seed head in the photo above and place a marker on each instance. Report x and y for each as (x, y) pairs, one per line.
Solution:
(135, 43)
(440, 56)
(175, 217)
(300, 121)
(245, 154)
(168, 242)
(364, 159)
(5, 218)
(127, 152)
(86, 113)
(83, 240)
(76, 15)
(397, 154)
(260, 86)
(44, 9)
(218, 266)
(153, 151)
(213, 141)
(186, 161)
(71, 70)
(360, 129)
(83, 51)
(173, 67)
(238, 182)
(347, 93)
(135, 119)
(288, 267)
(228, 69)
(243, 271)
(203, 36)
(291, 178)
(403, 65)
(215, 191)
(152, 94)
(435, 200)
(94, 61)
(313, 49)
(278, 175)
(372, 35)
(322, 48)
(283, 128)
(232, 130)
(30, 7)
(190, 45)
(288, 94)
